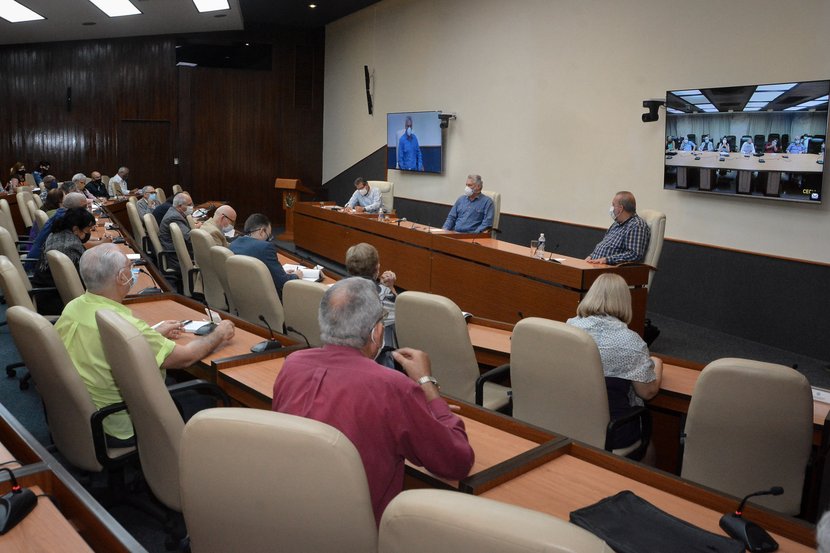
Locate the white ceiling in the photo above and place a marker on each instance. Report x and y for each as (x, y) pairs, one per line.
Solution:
(65, 18)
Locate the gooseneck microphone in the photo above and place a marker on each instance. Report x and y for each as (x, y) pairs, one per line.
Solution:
(295, 331)
(402, 220)
(267, 345)
(754, 537)
(15, 505)
(151, 289)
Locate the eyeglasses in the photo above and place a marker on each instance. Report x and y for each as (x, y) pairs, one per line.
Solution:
(233, 221)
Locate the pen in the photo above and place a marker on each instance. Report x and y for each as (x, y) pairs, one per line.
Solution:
(186, 322)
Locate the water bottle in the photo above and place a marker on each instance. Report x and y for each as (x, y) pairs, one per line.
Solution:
(540, 251)
(380, 214)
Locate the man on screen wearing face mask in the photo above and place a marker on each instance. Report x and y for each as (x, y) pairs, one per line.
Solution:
(220, 227)
(107, 275)
(256, 242)
(390, 417)
(473, 212)
(409, 150)
(176, 215)
(627, 239)
(365, 198)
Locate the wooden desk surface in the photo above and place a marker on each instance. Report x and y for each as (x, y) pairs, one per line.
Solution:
(568, 483)
(793, 163)
(44, 529)
(525, 251)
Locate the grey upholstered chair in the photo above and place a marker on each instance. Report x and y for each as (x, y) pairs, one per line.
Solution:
(219, 256)
(750, 427)
(283, 482)
(191, 284)
(66, 277)
(496, 197)
(656, 222)
(209, 279)
(435, 324)
(442, 521)
(253, 291)
(387, 193)
(139, 234)
(301, 302)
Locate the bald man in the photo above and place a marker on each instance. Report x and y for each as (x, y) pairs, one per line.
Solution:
(220, 227)
(627, 239)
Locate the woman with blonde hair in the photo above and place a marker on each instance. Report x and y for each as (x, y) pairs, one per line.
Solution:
(631, 375)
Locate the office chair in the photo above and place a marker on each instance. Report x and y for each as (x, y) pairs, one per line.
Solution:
(656, 222)
(387, 193)
(750, 427)
(559, 384)
(40, 218)
(25, 214)
(66, 277)
(209, 279)
(443, 521)
(160, 195)
(163, 257)
(301, 303)
(177, 189)
(191, 285)
(219, 255)
(139, 234)
(496, 197)
(253, 291)
(277, 482)
(435, 324)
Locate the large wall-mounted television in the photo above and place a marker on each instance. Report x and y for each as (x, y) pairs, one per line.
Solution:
(759, 141)
(414, 141)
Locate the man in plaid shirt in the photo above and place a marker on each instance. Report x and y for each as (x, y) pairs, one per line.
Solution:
(627, 239)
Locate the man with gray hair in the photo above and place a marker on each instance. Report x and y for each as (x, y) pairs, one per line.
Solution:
(472, 212)
(117, 185)
(627, 239)
(79, 181)
(390, 417)
(71, 200)
(106, 272)
(176, 215)
(148, 202)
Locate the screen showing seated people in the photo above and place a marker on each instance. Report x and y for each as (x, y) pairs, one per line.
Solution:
(413, 140)
(759, 141)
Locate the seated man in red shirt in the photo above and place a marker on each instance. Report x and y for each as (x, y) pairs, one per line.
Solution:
(388, 416)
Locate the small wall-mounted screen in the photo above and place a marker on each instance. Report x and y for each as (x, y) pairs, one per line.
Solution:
(760, 141)
(414, 141)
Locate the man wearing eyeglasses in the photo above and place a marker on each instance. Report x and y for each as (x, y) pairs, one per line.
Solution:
(256, 242)
(220, 227)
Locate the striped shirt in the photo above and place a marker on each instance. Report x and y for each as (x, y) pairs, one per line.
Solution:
(624, 242)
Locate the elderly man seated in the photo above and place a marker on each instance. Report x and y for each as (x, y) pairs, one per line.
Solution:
(390, 417)
(106, 272)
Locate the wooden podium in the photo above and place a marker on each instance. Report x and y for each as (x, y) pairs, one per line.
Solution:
(291, 190)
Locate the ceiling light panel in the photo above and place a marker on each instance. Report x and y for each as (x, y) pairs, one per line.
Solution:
(14, 12)
(211, 5)
(116, 8)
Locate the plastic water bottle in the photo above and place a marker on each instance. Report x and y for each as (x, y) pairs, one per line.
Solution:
(540, 251)
(380, 214)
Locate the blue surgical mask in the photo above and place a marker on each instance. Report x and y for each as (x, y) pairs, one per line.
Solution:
(153, 197)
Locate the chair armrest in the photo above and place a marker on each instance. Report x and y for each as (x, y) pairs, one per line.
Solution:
(99, 440)
(191, 280)
(163, 257)
(146, 245)
(644, 416)
(489, 376)
(200, 385)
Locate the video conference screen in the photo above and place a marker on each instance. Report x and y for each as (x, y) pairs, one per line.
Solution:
(414, 141)
(761, 141)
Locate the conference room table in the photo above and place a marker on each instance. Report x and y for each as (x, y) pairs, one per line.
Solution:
(466, 268)
(770, 164)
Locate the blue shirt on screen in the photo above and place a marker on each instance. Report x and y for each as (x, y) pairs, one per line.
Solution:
(471, 215)
(409, 153)
(795, 148)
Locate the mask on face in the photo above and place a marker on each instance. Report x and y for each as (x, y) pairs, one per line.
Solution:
(86, 237)
(227, 230)
(409, 131)
(363, 191)
(468, 191)
(153, 197)
(611, 213)
(188, 210)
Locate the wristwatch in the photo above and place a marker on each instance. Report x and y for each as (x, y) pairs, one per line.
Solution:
(425, 379)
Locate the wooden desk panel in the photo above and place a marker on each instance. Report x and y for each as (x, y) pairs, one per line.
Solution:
(580, 476)
(44, 529)
(252, 385)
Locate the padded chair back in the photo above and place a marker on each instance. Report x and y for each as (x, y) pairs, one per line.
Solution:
(434, 324)
(253, 291)
(152, 228)
(161, 196)
(185, 261)
(443, 521)
(8, 248)
(38, 200)
(32, 207)
(558, 382)
(25, 214)
(66, 277)
(13, 286)
(219, 255)
(191, 222)
(177, 189)
(272, 468)
(65, 398)
(301, 302)
(656, 222)
(132, 200)
(209, 280)
(29, 179)
(135, 221)
(750, 427)
(6, 220)
(157, 422)
(496, 197)
(387, 193)
(40, 218)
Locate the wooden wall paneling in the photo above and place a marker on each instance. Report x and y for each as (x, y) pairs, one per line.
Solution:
(145, 147)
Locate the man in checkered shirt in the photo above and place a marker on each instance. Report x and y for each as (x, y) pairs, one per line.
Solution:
(627, 239)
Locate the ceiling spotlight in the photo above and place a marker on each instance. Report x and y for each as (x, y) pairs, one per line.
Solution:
(312, 6)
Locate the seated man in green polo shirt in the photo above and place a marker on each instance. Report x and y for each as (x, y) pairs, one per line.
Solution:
(106, 272)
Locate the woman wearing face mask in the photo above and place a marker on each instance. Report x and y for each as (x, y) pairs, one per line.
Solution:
(365, 198)
(18, 171)
(69, 234)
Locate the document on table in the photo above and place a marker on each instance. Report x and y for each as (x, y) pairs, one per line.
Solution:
(311, 275)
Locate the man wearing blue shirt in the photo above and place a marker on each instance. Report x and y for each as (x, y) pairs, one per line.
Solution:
(796, 147)
(409, 151)
(365, 198)
(473, 212)
(748, 148)
(687, 145)
(627, 239)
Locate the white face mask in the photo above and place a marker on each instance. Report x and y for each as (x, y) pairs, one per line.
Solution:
(611, 213)
(188, 210)
(468, 191)
(227, 230)
(363, 191)
(409, 131)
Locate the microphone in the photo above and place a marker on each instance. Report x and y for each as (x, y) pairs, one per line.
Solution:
(494, 229)
(401, 220)
(266, 345)
(753, 536)
(151, 289)
(15, 505)
(295, 331)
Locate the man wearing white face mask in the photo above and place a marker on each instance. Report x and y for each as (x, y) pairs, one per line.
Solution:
(627, 239)
(365, 198)
(176, 215)
(220, 227)
(473, 212)
(409, 150)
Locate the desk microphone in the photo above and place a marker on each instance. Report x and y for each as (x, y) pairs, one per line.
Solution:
(295, 331)
(494, 229)
(152, 289)
(753, 536)
(401, 220)
(15, 505)
(267, 345)
(208, 327)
